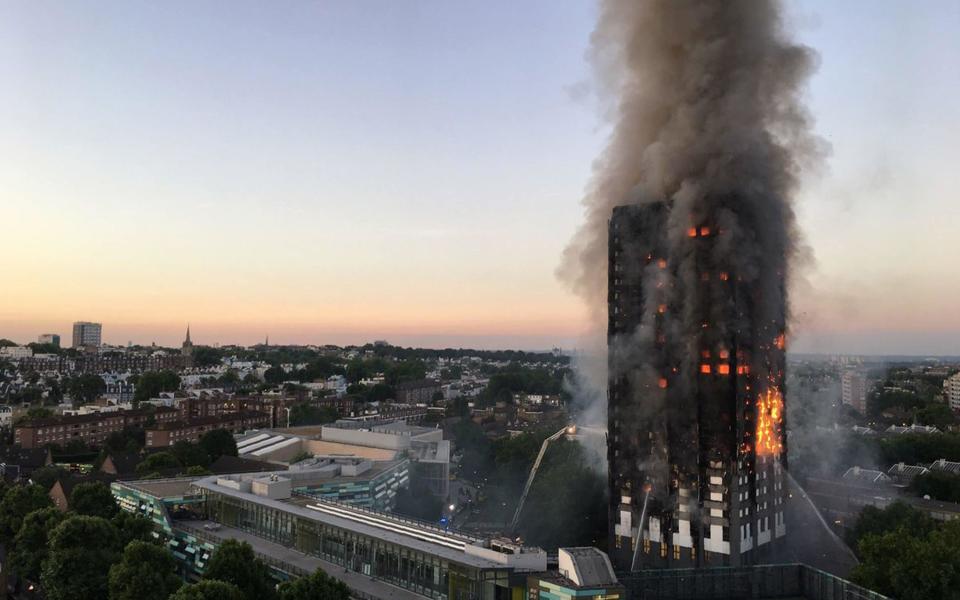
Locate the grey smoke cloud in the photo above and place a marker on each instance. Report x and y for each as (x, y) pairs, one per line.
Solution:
(705, 102)
(705, 99)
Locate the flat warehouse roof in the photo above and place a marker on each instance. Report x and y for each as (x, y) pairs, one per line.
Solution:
(251, 440)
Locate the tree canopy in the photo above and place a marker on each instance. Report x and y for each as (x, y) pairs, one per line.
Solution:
(145, 572)
(86, 388)
(217, 443)
(208, 590)
(874, 521)
(566, 505)
(912, 565)
(131, 527)
(17, 503)
(318, 586)
(94, 499)
(151, 383)
(82, 549)
(189, 455)
(234, 562)
(306, 414)
(938, 485)
(30, 546)
(157, 462)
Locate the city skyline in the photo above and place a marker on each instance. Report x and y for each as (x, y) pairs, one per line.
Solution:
(364, 195)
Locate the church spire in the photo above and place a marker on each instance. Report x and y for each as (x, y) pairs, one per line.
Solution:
(187, 341)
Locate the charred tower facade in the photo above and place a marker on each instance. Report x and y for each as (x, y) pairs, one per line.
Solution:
(696, 443)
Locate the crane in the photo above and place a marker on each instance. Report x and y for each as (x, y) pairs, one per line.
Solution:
(568, 430)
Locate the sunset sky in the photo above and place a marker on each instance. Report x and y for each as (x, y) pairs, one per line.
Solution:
(338, 172)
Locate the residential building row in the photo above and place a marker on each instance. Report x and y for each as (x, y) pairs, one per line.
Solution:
(163, 426)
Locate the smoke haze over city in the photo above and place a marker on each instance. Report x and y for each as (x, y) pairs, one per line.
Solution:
(419, 177)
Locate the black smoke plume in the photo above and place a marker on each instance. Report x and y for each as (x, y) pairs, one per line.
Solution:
(705, 99)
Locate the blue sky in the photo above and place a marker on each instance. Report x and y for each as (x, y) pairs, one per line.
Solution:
(344, 171)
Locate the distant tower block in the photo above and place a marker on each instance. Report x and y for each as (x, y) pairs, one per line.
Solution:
(696, 446)
(87, 335)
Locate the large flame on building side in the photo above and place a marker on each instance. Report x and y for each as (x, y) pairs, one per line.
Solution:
(769, 441)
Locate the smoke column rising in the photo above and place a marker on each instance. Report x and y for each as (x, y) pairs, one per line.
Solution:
(705, 102)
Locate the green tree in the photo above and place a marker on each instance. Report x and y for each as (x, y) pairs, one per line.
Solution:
(129, 440)
(54, 391)
(196, 471)
(217, 443)
(189, 455)
(874, 521)
(46, 476)
(274, 375)
(356, 370)
(407, 370)
(318, 586)
(566, 505)
(453, 372)
(17, 503)
(937, 485)
(936, 414)
(234, 562)
(46, 348)
(320, 368)
(93, 498)
(157, 462)
(205, 356)
(305, 414)
(36, 412)
(229, 379)
(380, 393)
(30, 546)
(131, 527)
(82, 549)
(208, 590)
(145, 572)
(86, 388)
(912, 565)
(151, 383)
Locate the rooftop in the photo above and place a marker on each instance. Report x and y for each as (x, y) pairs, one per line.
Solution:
(865, 475)
(586, 566)
(163, 488)
(945, 466)
(282, 555)
(450, 545)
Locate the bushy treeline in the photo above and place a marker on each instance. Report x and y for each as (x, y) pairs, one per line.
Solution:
(95, 551)
(905, 554)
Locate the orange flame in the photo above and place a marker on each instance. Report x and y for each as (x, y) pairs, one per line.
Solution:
(780, 341)
(769, 422)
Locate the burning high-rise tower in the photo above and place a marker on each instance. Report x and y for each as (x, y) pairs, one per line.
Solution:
(696, 446)
(687, 243)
